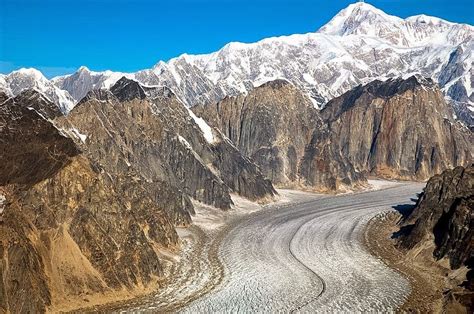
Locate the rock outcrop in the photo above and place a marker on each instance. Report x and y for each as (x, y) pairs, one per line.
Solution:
(149, 130)
(444, 216)
(400, 128)
(272, 125)
(67, 230)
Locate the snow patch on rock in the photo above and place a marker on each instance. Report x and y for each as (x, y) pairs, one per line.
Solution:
(205, 128)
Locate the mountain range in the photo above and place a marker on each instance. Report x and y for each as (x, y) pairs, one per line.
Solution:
(98, 169)
(360, 44)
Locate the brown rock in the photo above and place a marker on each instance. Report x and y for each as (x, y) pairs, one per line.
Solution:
(273, 126)
(400, 129)
(150, 131)
(444, 218)
(106, 231)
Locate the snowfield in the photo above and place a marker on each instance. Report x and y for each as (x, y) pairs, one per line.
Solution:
(302, 254)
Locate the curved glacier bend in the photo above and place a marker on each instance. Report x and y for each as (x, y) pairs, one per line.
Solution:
(308, 257)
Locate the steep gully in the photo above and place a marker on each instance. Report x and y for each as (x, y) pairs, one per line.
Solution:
(303, 255)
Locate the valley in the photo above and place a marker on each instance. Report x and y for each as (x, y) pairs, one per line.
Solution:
(331, 171)
(295, 255)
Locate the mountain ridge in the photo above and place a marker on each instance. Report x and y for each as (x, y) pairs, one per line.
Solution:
(361, 43)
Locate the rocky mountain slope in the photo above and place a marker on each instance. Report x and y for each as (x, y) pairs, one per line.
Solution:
(442, 223)
(89, 200)
(67, 231)
(401, 128)
(149, 130)
(360, 44)
(272, 125)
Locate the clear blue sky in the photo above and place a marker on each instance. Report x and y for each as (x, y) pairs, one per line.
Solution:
(58, 36)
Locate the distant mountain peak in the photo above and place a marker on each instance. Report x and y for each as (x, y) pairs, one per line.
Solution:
(29, 78)
(360, 44)
(83, 69)
(126, 89)
(30, 72)
(356, 17)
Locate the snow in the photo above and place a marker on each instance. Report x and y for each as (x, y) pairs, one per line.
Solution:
(422, 18)
(185, 142)
(39, 113)
(378, 184)
(211, 218)
(27, 78)
(173, 69)
(79, 135)
(2, 201)
(205, 128)
(263, 80)
(71, 132)
(32, 72)
(359, 12)
(308, 78)
(361, 43)
(318, 241)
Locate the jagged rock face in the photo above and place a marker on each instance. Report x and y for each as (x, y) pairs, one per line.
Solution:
(111, 141)
(24, 283)
(272, 126)
(323, 165)
(3, 97)
(398, 129)
(150, 131)
(238, 172)
(44, 158)
(128, 135)
(63, 219)
(445, 213)
(36, 101)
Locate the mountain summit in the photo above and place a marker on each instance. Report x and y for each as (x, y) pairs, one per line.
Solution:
(363, 19)
(358, 18)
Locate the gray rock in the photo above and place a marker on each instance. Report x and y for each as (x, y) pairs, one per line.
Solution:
(398, 129)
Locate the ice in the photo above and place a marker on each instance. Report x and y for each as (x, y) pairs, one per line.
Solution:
(205, 128)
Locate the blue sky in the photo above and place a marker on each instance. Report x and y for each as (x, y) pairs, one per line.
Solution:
(58, 36)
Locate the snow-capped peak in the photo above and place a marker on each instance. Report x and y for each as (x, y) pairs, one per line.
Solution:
(29, 78)
(358, 18)
(425, 19)
(29, 72)
(84, 80)
(364, 19)
(361, 43)
(83, 69)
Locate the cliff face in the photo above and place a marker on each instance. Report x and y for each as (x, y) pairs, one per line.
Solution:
(445, 212)
(150, 131)
(66, 229)
(323, 165)
(399, 129)
(87, 201)
(272, 126)
(442, 225)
